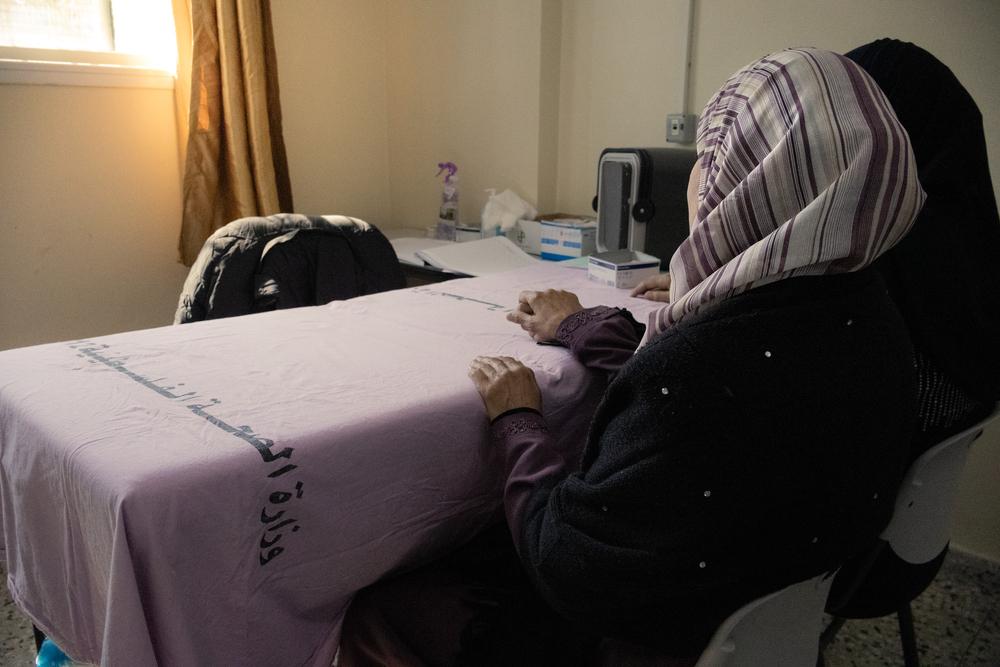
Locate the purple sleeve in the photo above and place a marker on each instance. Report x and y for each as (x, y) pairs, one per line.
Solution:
(601, 338)
(529, 457)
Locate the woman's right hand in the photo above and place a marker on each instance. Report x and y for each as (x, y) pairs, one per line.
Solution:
(541, 313)
(654, 288)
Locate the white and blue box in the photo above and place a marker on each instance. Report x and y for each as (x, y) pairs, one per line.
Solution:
(622, 268)
(526, 235)
(568, 238)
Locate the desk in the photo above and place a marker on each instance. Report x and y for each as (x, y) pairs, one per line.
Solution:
(418, 272)
(425, 275)
(214, 493)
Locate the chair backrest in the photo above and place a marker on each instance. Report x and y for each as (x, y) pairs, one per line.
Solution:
(921, 523)
(778, 630)
(312, 260)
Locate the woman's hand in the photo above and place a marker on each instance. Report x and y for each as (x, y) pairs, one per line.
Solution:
(654, 288)
(505, 384)
(541, 313)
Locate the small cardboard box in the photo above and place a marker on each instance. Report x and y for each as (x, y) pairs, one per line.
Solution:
(622, 268)
(568, 238)
(526, 235)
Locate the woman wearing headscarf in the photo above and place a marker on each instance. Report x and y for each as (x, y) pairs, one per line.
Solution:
(943, 277)
(755, 440)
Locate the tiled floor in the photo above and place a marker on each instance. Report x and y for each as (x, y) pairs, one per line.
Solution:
(957, 623)
(17, 646)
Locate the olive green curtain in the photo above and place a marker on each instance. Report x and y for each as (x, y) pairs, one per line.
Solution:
(234, 163)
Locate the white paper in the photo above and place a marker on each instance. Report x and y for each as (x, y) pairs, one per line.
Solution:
(478, 258)
(406, 248)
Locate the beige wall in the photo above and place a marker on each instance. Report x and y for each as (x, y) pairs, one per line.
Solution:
(977, 517)
(332, 75)
(375, 94)
(90, 192)
(464, 82)
(621, 75)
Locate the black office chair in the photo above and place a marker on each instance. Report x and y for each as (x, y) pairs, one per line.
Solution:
(912, 547)
(282, 261)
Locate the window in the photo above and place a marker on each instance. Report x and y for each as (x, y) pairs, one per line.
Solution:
(88, 42)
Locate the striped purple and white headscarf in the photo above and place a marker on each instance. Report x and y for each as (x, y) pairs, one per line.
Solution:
(805, 170)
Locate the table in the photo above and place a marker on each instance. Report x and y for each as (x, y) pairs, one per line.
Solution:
(214, 493)
(425, 275)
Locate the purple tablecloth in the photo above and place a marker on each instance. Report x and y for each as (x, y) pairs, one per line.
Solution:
(214, 493)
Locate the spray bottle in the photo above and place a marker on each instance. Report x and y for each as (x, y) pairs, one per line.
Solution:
(448, 213)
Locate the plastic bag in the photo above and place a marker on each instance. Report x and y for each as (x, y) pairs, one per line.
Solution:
(502, 211)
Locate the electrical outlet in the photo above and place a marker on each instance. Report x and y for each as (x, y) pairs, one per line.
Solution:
(681, 128)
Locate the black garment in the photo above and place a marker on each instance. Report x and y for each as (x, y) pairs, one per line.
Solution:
(749, 447)
(284, 261)
(945, 275)
(472, 608)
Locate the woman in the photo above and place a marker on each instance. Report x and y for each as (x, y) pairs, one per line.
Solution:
(943, 278)
(754, 441)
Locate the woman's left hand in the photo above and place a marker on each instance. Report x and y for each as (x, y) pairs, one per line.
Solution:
(505, 384)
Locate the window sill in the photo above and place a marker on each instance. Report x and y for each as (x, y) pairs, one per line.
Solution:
(32, 72)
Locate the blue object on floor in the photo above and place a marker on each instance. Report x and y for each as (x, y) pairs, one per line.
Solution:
(50, 655)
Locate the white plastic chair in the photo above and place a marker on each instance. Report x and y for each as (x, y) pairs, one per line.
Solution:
(778, 630)
(921, 523)
(920, 528)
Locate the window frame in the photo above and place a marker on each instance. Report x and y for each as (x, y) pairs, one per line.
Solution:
(21, 65)
(67, 67)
